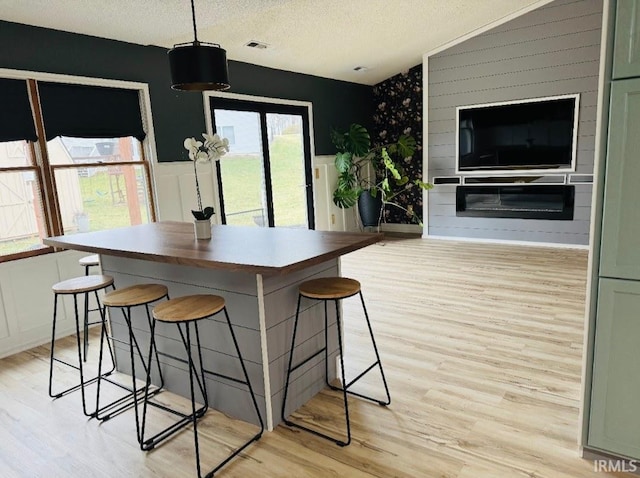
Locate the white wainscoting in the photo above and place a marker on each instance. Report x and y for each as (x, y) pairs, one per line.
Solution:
(26, 300)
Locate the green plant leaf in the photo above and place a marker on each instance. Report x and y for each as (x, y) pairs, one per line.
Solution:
(346, 180)
(357, 140)
(402, 181)
(373, 192)
(390, 165)
(203, 215)
(406, 145)
(345, 199)
(423, 185)
(343, 162)
(337, 139)
(384, 185)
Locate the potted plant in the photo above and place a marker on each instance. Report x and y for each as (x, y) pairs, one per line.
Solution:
(372, 196)
(212, 149)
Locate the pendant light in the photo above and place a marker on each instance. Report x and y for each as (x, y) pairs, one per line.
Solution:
(198, 66)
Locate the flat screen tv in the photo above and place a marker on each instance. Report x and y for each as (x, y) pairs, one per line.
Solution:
(524, 135)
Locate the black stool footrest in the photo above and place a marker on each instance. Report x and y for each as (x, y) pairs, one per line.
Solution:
(308, 358)
(80, 385)
(256, 437)
(316, 433)
(356, 394)
(151, 443)
(123, 403)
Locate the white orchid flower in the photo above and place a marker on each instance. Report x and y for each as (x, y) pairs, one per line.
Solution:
(191, 144)
(200, 156)
(216, 145)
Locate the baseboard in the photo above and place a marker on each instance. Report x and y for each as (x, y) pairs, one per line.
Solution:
(507, 242)
(405, 228)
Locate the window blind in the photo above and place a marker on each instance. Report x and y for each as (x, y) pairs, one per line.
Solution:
(90, 111)
(16, 119)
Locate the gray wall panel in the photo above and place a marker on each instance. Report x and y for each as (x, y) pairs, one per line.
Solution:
(560, 9)
(551, 51)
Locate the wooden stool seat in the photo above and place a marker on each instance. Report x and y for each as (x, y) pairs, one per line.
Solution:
(329, 288)
(82, 284)
(89, 261)
(135, 295)
(189, 307)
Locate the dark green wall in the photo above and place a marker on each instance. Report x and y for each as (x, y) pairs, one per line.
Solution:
(177, 115)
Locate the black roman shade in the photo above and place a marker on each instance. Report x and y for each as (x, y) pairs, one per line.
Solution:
(90, 111)
(16, 119)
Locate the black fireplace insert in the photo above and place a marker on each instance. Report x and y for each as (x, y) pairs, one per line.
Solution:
(522, 202)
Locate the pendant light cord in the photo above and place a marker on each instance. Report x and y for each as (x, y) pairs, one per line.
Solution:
(193, 16)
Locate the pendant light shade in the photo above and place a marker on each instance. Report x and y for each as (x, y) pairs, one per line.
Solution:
(198, 66)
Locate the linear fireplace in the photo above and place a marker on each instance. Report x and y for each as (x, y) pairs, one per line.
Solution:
(522, 202)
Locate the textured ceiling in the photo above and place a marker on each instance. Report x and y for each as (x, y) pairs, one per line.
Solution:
(319, 37)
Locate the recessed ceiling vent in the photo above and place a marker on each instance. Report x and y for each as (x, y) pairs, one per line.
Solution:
(256, 44)
(360, 68)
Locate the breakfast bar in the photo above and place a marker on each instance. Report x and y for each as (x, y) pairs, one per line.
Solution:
(257, 271)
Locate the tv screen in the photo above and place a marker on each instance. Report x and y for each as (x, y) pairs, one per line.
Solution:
(533, 134)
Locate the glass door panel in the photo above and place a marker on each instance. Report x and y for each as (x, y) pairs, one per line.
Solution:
(288, 178)
(242, 168)
(265, 178)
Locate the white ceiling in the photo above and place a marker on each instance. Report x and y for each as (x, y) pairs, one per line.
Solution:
(326, 38)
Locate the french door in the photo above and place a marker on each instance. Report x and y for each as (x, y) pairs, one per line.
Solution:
(265, 179)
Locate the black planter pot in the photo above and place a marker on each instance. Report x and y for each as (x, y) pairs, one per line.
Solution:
(369, 208)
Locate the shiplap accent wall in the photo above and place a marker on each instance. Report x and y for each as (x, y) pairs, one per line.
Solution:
(553, 50)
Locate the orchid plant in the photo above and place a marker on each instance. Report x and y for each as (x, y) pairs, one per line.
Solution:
(212, 149)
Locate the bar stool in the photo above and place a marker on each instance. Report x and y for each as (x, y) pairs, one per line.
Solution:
(87, 262)
(134, 296)
(332, 289)
(83, 285)
(184, 311)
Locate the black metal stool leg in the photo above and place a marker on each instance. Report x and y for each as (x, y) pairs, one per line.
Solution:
(80, 358)
(326, 347)
(150, 443)
(375, 348)
(53, 344)
(246, 377)
(81, 343)
(80, 367)
(257, 436)
(378, 363)
(193, 372)
(85, 334)
(344, 387)
(132, 398)
(289, 369)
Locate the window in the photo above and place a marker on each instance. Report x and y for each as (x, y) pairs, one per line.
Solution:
(71, 160)
(229, 133)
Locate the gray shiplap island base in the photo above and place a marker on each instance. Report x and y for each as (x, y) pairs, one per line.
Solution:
(257, 271)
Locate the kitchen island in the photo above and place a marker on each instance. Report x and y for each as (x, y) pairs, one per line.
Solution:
(257, 271)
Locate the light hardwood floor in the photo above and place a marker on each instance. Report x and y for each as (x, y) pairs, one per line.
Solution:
(481, 346)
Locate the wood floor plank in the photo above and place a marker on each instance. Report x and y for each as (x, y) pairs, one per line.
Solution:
(482, 349)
